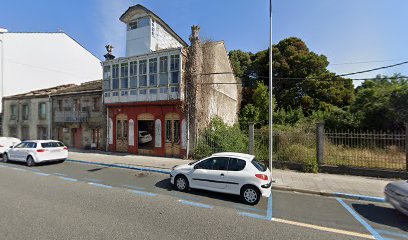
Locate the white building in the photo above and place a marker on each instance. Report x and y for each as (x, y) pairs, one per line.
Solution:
(41, 60)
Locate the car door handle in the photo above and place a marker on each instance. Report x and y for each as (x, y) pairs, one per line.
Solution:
(222, 174)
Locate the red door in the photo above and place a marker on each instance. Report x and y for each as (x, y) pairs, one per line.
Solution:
(77, 138)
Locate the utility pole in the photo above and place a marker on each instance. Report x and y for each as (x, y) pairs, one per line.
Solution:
(270, 88)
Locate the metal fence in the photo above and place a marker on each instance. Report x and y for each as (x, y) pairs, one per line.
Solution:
(367, 149)
(363, 149)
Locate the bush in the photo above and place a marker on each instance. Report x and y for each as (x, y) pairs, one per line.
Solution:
(298, 153)
(219, 137)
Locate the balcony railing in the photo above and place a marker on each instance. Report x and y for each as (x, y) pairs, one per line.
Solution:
(71, 116)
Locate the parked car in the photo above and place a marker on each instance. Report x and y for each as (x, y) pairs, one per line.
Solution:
(145, 137)
(37, 151)
(227, 172)
(6, 143)
(396, 193)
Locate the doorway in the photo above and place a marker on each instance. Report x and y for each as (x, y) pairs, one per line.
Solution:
(172, 134)
(122, 133)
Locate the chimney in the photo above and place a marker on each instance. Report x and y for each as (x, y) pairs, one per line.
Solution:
(109, 55)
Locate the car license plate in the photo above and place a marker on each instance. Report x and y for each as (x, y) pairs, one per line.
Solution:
(55, 150)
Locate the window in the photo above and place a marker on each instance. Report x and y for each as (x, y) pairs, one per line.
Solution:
(133, 74)
(42, 133)
(124, 84)
(142, 92)
(163, 90)
(142, 73)
(31, 145)
(163, 76)
(60, 107)
(259, 165)
(13, 131)
(25, 112)
(106, 77)
(77, 105)
(153, 72)
(96, 103)
(138, 23)
(215, 163)
(153, 91)
(52, 144)
(176, 124)
(42, 111)
(25, 133)
(21, 145)
(115, 76)
(236, 164)
(13, 112)
(174, 69)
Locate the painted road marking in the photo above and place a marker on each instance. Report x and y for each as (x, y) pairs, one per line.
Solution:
(60, 174)
(19, 169)
(359, 197)
(99, 185)
(326, 229)
(185, 197)
(93, 180)
(375, 234)
(34, 170)
(143, 193)
(253, 215)
(195, 204)
(133, 187)
(394, 234)
(69, 179)
(269, 209)
(247, 208)
(41, 174)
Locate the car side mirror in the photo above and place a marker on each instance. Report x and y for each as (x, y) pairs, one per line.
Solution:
(11, 146)
(196, 167)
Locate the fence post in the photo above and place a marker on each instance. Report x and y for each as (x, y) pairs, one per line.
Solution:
(406, 146)
(320, 143)
(251, 138)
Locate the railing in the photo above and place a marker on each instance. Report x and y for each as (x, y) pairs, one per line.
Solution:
(71, 116)
(362, 149)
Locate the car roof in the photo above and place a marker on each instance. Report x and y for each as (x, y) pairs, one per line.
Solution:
(41, 141)
(244, 156)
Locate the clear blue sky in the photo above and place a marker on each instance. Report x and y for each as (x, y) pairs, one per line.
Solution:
(343, 30)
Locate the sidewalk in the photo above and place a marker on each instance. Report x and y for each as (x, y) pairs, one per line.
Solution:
(320, 183)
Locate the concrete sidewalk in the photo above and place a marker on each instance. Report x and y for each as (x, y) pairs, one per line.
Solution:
(320, 183)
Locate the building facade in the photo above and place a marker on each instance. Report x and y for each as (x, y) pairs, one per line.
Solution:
(79, 117)
(145, 92)
(33, 60)
(28, 116)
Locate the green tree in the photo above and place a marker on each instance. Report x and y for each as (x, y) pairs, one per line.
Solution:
(302, 79)
(381, 103)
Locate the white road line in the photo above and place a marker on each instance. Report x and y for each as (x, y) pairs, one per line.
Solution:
(326, 229)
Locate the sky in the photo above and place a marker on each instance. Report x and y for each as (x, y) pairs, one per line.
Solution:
(354, 34)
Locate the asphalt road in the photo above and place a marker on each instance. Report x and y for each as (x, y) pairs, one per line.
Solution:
(86, 201)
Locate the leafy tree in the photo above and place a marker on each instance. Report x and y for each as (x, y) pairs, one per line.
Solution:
(302, 79)
(381, 103)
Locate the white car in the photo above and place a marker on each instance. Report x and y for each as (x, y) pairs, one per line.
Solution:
(37, 151)
(6, 143)
(145, 137)
(227, 172)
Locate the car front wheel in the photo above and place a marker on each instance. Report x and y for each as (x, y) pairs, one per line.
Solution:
(181, 183)
(250, 195)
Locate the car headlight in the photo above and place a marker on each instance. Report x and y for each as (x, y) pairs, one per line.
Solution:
(174, 167)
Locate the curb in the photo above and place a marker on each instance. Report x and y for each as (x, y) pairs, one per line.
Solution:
(281, 188)
(331, 194)
(122, 166)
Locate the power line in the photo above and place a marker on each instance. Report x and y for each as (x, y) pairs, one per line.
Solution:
(373, 69)
(369, 61)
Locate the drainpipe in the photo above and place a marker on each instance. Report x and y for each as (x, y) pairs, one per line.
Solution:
(107, 129)
(49, 118)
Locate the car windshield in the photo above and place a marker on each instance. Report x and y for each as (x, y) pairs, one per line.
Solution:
(193, 162)
(261, 167)
(52, 144)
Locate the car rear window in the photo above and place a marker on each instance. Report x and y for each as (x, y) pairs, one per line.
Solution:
(259, 165)
(52, 144)
(236, 164)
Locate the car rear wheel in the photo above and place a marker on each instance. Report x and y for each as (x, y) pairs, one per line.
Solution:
(181, 183)
(250, 195)
(5, 158)
(30, 161)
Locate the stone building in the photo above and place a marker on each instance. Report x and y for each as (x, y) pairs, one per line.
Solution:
(79, 117)
(28, 116)
(163, 92)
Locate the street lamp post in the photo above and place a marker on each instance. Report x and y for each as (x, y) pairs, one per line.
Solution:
(270, 88)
